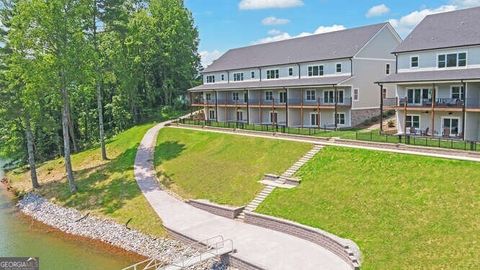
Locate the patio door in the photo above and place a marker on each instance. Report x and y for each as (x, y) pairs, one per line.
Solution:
(273, 117)
(314, 119)
(417, 96)
(283, 97)
(239, 116)
(450, 126)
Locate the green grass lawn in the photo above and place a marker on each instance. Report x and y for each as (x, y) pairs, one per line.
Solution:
(404, 211)
(222, 168)
(106, 189)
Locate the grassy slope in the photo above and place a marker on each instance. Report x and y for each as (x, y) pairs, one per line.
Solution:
(405, 212)
(105, 188)
(219, 167)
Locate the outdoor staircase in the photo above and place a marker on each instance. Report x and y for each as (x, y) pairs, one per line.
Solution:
(282, 179)
(212, 248)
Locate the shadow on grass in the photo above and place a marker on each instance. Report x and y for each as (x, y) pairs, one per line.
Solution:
(163, 152)
(104, 188)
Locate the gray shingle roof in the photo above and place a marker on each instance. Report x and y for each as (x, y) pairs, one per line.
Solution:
(443, 30)
(332, 45)
(272, 83)
(444, 75)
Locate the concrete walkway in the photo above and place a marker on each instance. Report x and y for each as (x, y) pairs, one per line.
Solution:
(262, 247)
(384, 147)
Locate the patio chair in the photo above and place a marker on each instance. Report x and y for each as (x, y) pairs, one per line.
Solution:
(446, 132)
(425, 133)
(412, 130)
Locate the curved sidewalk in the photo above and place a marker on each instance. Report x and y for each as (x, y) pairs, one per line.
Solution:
(261, 247)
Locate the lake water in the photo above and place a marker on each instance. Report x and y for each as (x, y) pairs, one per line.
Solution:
(20, 236)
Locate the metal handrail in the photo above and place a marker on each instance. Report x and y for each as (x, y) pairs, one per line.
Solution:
(213, 249)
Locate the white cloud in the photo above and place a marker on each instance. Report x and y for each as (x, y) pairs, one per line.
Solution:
(466, 3)
(276, 35)
(263, 4)
(405, 24)
(207, 57)
(378, 10)
(326, 29)
(274, 21)
(274, 32)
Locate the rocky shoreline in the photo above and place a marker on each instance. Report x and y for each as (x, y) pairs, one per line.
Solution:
(73, 222)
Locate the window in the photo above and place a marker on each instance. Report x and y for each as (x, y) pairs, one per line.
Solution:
(208, 96)
(329, 96)
(412, 121)
(387, 69)
(458, 92)
(283, 97)
(272, 74)
(290, 71)
(414, 61)
(419, 96)
(450, 126)
(245, 97)
(253, 74)
(339, 68)
(269, 95)
(315, 71)
(313, 119)
(239, 116)
(384, 93)
(355, 94)
(235, 96)
(340, 118)
(311, 95)
(452, 60)
(237, 77)
(211, 114)
(210, 78)
(223, 77)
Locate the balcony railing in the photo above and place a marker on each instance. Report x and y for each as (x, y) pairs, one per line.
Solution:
(471, 103)
(449, 102)
(320, 101)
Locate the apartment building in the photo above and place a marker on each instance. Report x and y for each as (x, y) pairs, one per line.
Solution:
(324, 80)
(437, 79)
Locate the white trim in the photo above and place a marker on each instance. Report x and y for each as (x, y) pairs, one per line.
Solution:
(460, 127)
(460, 86)
(446, 60)
(372, 38)
(344, 118)
(407, 70)
(353, 94)
(316, 119)
(418, 61)
(318, 65)
(375, 59)
(341, 68)
(333, 90)
(209, 111)
(419, 119)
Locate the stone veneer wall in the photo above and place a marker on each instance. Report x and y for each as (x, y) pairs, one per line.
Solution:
(360, 116)
(344, 248)
(220, 210)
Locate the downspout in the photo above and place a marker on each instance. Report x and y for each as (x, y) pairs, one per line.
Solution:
(299, 71)
(396, 63)
(216, 106)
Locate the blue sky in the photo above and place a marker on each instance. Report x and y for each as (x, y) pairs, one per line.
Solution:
(226, 24)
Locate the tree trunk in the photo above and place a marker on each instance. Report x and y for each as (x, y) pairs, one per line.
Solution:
(66, 137)
(101, 126)
(31, 152)
(71, 129)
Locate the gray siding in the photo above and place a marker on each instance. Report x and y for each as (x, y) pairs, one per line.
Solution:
(381, 45)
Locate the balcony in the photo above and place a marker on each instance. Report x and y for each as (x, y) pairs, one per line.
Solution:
(319, 102)
(440, 103)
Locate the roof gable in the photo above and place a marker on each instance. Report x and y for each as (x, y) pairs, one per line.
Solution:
(444, 30)
(332, 45)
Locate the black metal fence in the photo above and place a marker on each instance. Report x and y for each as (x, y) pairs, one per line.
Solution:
(328, 131)
(441, 142)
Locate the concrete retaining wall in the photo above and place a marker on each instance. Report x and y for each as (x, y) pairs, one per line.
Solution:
(344, 248)
(216, 209)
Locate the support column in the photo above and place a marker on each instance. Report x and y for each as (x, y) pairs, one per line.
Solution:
(216, 106)
(248, 106)
(405, 116)
(318, 113)
(286, 107)
(191, 105)
(301, 109)
(335, 118)
(464, 109)
(381, 108)
(434, 100)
